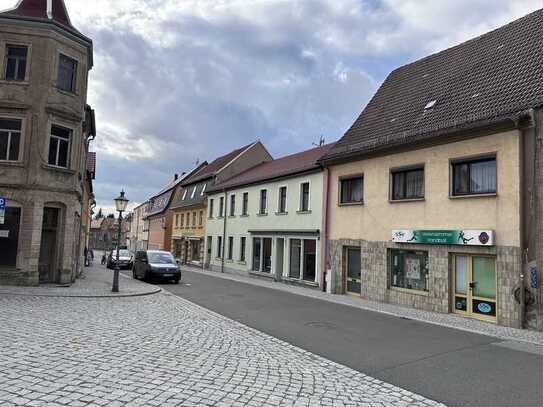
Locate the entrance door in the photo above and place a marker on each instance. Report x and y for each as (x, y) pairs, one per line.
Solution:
(48, 249)
(279, 259)
(267, 253)
(9, 237)
(195, 251)
(474, 284)
(353, 272)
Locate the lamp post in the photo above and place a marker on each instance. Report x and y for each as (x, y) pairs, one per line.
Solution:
(120, 203)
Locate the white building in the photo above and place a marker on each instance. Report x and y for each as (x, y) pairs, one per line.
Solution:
(267, 220)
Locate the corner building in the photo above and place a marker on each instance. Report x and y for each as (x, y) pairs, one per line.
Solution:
(45, 130)
(431, 192)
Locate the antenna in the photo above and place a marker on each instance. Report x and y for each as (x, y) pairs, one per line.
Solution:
(321, 142)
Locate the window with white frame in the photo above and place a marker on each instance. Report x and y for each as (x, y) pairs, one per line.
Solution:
(242, 248)
(263, 210)
(67, 73)
(282, 204)
(230, 247)
(211, 202)
(221, 207)
(232, 205)
(10, 139)
(245, 205)
(304, 197)
(16, 60)
(59, 146)
(303, 259)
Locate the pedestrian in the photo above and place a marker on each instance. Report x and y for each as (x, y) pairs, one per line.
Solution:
(86, 254)
(104, 259)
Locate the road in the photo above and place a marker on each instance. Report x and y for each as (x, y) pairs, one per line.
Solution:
(451, 366)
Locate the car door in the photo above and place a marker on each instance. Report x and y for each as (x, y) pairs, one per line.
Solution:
(138, 264)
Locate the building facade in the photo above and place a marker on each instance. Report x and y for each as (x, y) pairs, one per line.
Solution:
(430, 199)
(45, 130)
(267, 220)
(139, 229)
(189, 208)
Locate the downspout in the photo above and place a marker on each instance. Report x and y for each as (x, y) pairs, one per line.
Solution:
(325, 266)
(523, 240)
(223, 231)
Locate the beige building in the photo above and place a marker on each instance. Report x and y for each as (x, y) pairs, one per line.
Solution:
(139, 230)
(431, 192)
(45, 130)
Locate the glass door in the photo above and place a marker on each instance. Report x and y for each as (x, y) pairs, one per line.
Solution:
(353, 270)
(475, 286)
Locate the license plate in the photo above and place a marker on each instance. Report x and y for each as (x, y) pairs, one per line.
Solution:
(167, 275)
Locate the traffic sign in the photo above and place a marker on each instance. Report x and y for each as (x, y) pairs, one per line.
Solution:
(2, 210)
(2, 203)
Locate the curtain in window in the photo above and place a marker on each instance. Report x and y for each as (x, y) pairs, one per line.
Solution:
(414, 181)
(483, 176)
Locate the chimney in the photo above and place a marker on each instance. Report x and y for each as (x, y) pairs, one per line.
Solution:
(50, 9)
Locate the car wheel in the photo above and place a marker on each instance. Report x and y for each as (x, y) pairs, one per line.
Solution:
(176, 281)
(134, 275)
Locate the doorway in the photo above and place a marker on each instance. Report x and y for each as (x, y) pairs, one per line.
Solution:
(9, 237)
(279, 261)
(474, 286)
(48, 249)
(353, 271)
(267, 253)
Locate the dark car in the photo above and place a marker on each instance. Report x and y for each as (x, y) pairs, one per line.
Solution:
(126, 259)
(155, 264)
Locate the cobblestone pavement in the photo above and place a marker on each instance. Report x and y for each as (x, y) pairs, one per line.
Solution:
(161, 350)
(448, 320)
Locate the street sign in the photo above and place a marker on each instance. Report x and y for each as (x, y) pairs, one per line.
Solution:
(2, 210)
(2, 203)
(446, 237)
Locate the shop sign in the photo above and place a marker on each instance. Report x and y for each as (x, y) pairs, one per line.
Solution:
(448, 237)
(2, 210)
(4, 233)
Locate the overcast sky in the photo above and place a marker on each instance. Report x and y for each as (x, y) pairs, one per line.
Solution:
(179, 80)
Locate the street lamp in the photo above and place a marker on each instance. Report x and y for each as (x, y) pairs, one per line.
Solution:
(120, 203)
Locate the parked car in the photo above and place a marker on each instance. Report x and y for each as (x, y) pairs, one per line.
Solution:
(155, 264)
(126, 260)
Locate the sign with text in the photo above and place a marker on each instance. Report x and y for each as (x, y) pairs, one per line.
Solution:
(4, 233)
(447, 237)
(2, 209)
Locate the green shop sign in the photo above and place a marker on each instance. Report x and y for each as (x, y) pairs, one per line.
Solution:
(447, 237)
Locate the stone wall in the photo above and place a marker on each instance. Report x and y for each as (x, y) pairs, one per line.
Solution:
(375, 276)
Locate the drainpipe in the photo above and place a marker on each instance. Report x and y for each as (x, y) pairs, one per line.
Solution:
(325, 225)
(224, 231)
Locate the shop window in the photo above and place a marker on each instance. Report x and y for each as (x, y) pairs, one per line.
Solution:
(304, 197)
(59, 146)
(295, 258)
(230, 248)
(232, 205)
(351, 190)
(303, 257)
(257, 247)
(263, 202)
(9, 237)
(67, 72)
(242, 244)
(409, 269)
(10, 139)
(16, 57)
(282, 207)
(245, 206)
(472, 177)
(407, 184)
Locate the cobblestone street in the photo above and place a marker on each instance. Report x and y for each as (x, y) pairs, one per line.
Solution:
(164, 351)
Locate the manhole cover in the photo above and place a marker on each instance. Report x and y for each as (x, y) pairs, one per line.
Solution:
(321, 324)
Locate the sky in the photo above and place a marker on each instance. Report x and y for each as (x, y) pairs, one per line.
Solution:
(176, 81)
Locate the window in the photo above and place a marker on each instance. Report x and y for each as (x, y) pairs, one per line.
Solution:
(474, 176)
(10, 139)
(201, 222)
(408, 184)
(257, 246)
(59, 147)
(193, 219)
(67, 70)
(230, 247)
(221, 207)
(232, 205)
(303, 257)
(177, 220)
(211, 202)
(263, 202)
(203, 190)
(185, 194)
(219, 246)
(304, 197)
(193, 192)
(16, 63)
(245, 205)
(242, 244)
(295, 258)
(282, 207)
(351, 190)
(182, 220)
(409, 269)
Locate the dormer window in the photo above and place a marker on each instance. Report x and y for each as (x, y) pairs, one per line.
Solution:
(16, 63)
(67, 73)
(203, 190)
(185, 194)
(193, 192)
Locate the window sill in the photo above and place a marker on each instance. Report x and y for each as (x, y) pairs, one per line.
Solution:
(281, 213)
(60, 169)
(9, 163)
(244, 216)
(262, 214)
(489, 195)
(67, 92)
(351, 203)
(14, 82)
(304, 212)
(393, 201)
(410, 291)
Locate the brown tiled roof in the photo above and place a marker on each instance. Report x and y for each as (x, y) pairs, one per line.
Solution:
(482, 81)
(212, 168)
(282, 167)
(38, 9)
(91, 164)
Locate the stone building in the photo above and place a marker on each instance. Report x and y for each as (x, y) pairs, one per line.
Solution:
(189, 207)
(45, 130)
(104, 232)
(433, 193)
(266, 221)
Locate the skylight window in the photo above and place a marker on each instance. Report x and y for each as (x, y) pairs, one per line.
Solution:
(193, 192)
(184, 194)
(204, 189)
(430, 105)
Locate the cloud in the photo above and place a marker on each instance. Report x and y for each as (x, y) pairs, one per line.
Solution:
(179, 80)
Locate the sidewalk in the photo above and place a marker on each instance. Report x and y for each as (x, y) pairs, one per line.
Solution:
(447, 320)
(96, 282)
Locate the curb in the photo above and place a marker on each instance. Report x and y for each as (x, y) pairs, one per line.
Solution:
(142, 294)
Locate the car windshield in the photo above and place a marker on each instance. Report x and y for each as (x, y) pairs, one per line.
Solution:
(160, 258)
(124, 253)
